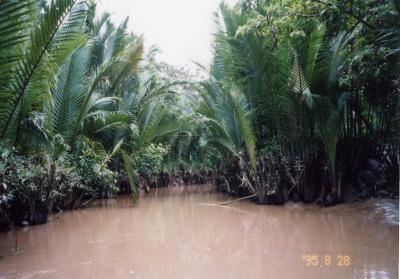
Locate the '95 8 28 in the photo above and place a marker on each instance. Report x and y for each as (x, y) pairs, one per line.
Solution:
(326, 260)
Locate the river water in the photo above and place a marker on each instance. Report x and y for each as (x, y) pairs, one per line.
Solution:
(182, 232)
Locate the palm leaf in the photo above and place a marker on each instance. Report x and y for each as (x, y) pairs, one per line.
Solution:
(127, 63)
(68, 92)
(56, 27)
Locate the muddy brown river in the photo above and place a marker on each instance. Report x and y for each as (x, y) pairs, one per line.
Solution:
(181, 232)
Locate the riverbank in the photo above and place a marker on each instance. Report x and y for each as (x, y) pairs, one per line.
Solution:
(179, 232)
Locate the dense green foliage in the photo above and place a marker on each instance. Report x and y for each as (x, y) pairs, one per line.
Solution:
(308, 80)
(301, 102)
(82, 109)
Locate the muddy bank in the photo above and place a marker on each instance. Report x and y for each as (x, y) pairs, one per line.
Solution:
(184, 177)
(280, 179)
(179, 232)
(25, 210)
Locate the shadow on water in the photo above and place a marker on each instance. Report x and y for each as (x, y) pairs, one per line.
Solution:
(179, 232)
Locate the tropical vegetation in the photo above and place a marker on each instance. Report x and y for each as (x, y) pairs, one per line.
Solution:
(301, 102)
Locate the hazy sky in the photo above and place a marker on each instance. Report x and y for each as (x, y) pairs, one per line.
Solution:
(182, 29)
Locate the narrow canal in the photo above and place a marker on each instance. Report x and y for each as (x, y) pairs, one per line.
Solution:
(182, 232)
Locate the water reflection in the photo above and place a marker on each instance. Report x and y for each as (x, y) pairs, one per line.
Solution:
(178, 233)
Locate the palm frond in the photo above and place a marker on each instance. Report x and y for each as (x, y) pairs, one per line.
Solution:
(14, 21)
(300, 84)
(128, 62)
(68, 93)
(60, 22)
